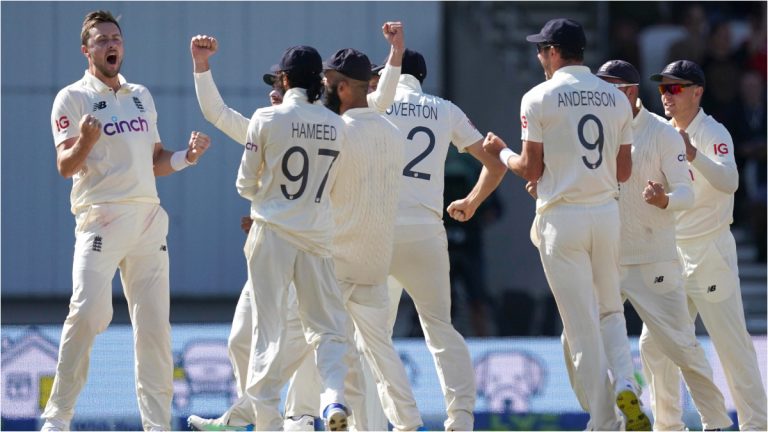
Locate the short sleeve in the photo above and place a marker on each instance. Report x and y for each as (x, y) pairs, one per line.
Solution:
(65, 117)
(530, 119)
(463, 131)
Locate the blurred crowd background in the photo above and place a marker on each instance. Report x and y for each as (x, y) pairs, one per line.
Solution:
(477, 57)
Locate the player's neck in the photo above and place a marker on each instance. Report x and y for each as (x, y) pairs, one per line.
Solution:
(355, 103)
(113, 83)
(684, 119)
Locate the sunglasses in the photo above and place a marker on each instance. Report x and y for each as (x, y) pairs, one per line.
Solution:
(617, 85)
(545, 45)
(673, 89)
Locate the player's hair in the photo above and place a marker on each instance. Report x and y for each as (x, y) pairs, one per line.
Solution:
(311, 82)
(93, 19)
(571, 54)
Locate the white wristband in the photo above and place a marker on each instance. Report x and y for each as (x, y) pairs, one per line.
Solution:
(179, 160)
(505, 155)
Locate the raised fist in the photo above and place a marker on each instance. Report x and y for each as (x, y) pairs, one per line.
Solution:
(203, 47)
(393, 33)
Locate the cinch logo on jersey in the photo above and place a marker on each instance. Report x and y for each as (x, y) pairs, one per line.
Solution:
(405, 109)
(585, 98)
(251, 146)
(116, 127)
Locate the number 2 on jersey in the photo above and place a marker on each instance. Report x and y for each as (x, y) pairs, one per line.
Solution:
(408, 170)
(304, 172)
(591, 146)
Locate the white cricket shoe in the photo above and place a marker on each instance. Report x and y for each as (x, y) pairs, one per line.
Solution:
(299, 423)
(203, 424)
(53, 424)
(335, 417)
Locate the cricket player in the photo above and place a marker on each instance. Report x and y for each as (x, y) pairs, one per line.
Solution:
(707, 252)
(300, 394)
(420, 262)
(577, 136)
(105, 131)
(651, 277)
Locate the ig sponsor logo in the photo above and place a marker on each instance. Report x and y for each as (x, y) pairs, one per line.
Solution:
(721, 149)
(62, 123)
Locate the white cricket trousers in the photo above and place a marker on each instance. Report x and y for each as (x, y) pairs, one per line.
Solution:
(710, 274)
(273, 263)
(304, 388)
(657, 294)
(368, 306)
(579, 249)
(420, 264)
(130, 237)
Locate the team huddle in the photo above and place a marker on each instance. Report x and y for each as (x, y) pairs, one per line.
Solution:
(344, 174)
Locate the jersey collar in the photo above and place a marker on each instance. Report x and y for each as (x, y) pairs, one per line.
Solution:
(89, 80)
(642, 116)
(411, 82)
(572, 70)
(696, 122)
(295, 95)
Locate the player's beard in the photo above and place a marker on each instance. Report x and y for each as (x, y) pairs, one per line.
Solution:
(331, 98)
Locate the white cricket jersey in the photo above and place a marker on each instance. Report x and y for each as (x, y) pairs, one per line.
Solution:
(582, 120)
(287, 170)
(365, 197)
(658, 154)
(430, 124)
(712, 208)
(119, 167)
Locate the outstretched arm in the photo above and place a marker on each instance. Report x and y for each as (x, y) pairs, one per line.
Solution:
(491, 175)
(384, 96)
(227, 120)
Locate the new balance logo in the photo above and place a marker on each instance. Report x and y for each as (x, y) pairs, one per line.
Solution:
(711, 289)
(96, 246)
(99, 105)
(138, 103)
(163, 248)
(658, 279)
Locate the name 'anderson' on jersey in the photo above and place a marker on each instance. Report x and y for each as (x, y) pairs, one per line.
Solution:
(581, 120)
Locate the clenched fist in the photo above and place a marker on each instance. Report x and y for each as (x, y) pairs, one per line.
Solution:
(90, 128)
(493, 145)
(202, 48)
(654, 194)
(198, 144)
(393, 33)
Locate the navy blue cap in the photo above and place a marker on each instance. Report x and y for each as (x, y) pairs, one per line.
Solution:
(376, 69)
(270, 78)
(619, 69)
(350, 63)
(303, 58)
(682, 70)
(561, 31)
(414, 64)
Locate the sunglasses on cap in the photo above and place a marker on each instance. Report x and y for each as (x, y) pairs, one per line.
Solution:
(545, 45)
(620, 85)
(673, 89)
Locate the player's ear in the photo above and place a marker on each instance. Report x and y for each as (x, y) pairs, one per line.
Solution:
(84, 50)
